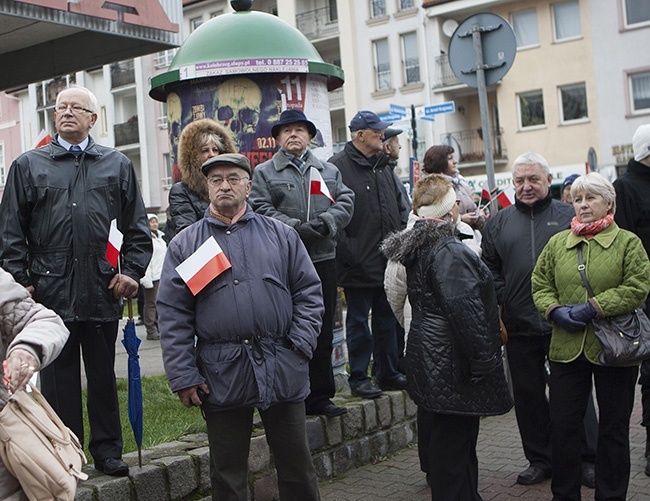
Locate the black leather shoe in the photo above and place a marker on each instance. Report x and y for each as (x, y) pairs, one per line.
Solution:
(532, 475)
(647, 467)
(398, 383)
(366, 390)
(329, 410)
(112, 466)
(588, 477)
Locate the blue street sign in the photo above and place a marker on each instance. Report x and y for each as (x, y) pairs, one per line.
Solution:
(396, 109)
(435, 109)
(430, 118)
(391, 117)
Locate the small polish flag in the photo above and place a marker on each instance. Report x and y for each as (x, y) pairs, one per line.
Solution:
(317, 186)
(203, 266)
(507, 197)
(42, 139)
(485, 191)
(115, 239)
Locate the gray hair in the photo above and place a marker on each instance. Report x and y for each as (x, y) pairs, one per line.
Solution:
(92, 99)
(210, 136)
(597, 184)
(531, 158)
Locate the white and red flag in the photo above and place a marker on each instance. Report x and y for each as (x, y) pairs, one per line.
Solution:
(485, 191)
(115, 239)
(203, 266)
(317, 186)
(507, 197)
(42, 139)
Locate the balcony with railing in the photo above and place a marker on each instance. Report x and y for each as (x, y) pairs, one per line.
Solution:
(126, 133)
(122, 73)
(336, 98)
(444, 75)
(318, 23)
(469, 145)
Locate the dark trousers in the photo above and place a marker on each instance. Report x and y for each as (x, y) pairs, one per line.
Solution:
(450, 447)
(570, 384)
(321, 377)
(526, 359)
(381, 343)
(229, 435)
(61, 386)
(644, 381)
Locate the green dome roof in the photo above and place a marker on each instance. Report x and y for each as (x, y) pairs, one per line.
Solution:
(242, 36)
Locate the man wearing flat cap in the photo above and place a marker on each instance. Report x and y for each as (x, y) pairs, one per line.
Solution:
(282, 190)
(245, 287)
(379, 209)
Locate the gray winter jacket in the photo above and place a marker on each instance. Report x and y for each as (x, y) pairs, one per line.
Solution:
(256, 323)
(281, 191)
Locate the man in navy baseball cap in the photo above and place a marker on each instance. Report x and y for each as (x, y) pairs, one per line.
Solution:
(366, 119)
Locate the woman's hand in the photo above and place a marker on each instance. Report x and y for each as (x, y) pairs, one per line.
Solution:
(19, 368)
(562, 317)
(582, 312)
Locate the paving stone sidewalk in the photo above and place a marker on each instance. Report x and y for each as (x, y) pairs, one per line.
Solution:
(501, 459)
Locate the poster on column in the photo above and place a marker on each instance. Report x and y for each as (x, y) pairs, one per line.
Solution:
(249, 106)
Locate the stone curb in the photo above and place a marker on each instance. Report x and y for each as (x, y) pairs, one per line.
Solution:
(179, 470)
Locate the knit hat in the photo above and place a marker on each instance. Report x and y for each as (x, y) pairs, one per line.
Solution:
(440, 208)
(641, 141)
(568, 181)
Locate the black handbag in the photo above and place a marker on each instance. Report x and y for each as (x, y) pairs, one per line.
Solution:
(624, 339)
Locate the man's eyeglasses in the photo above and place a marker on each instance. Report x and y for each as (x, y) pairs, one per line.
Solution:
(217, 181)
(74, 108)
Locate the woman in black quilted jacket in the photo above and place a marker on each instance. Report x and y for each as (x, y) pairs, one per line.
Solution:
(454, 366)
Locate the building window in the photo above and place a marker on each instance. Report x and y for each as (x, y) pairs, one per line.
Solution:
(524, 25)
(411, 59)
(566, 21)
(333, 11)
(531, 109)
(195, 23)
(382, 67)
(406, 4)
(636, 12)
(377, 8)
(640, 91)
(167, 179)
(164, 59)
(573, 101)
(162, 118)
(2, 165)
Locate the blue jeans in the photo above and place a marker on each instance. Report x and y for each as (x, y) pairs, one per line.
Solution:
(381, 343)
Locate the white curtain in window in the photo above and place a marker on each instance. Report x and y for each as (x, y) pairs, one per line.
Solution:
(641, 90)
(383, 64)
(524, 25)
(567, 20)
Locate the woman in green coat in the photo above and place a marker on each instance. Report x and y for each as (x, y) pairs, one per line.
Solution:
(618, 270)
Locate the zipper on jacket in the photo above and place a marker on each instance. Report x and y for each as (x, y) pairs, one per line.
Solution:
(532, 237)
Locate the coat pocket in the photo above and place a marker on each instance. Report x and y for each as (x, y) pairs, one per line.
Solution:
(229, 376)
(291, 381)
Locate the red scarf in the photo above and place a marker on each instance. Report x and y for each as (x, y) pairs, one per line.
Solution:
(589, 230)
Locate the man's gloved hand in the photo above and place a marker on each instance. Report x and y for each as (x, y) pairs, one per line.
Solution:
(582, 312)
(309, 231)
(562, 317)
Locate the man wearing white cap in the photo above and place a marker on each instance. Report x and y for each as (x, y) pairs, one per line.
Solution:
(633, 214)
(379, 209)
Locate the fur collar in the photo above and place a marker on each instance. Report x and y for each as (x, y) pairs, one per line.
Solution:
(406, 245)
(189, 150)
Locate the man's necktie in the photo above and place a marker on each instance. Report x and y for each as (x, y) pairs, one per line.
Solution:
(75, 149)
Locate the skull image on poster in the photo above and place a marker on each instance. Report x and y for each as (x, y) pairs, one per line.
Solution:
(238, 104)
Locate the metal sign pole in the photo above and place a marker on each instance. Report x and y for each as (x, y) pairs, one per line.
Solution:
(485, 111)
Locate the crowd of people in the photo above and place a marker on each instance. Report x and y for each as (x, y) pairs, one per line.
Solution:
(242, 293)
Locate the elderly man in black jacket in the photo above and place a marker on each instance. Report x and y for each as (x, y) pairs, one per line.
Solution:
(379, 209)
(56, 213)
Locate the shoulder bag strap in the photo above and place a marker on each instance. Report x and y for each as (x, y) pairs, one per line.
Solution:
(581, 269)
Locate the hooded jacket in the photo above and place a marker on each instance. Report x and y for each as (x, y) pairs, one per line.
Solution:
(256, 323)
(188, 198)
(379, 209)
(55, 217)
(453, 353)
(512, 241)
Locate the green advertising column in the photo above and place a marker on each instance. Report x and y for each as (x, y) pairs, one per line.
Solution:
(242, 70)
